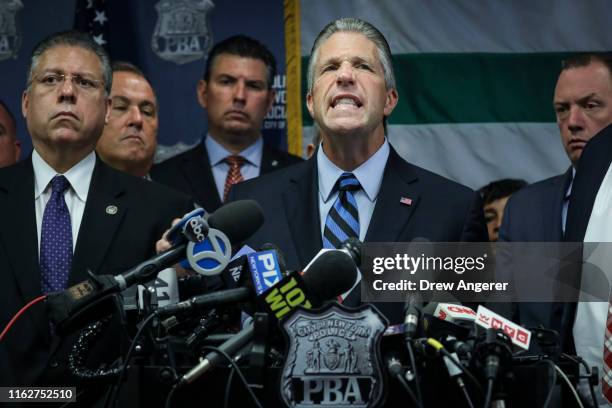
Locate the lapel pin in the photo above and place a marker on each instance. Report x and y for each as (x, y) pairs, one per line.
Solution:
(111, 209)
(406, 201)
(274, 163)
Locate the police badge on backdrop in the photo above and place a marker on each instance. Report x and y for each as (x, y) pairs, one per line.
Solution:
(10, 39)
(182, 31)
(333, 357)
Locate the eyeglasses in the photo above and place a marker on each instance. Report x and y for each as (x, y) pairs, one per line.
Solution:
(53, 80)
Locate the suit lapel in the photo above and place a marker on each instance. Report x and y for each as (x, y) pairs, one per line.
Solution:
(301, 203)
(390, 214)
(105, 208)
(586, 184)
(18, 232)
(197, 171)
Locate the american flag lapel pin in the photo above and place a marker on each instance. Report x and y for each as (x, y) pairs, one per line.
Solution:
(406, 201)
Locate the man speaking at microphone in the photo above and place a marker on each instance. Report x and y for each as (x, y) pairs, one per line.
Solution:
(63, 211)
(356, 185)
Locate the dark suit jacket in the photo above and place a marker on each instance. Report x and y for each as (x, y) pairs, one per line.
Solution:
(107, 244)
(191, 173)
(441, 210)
(533, 214)
(592, 168)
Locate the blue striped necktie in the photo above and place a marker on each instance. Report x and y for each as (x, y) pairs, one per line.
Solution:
(342, 220)
(56, 239)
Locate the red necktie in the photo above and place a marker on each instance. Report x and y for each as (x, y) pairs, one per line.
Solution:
(233, 174)
(606, 383)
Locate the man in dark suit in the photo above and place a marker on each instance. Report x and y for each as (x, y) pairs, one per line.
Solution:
(129, 139)
(356, 184)
(64, 212)
(537, 213)
(236, 93)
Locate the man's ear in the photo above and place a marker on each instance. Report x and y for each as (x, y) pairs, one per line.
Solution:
(391, 102)
(309, 104)
(202, 92)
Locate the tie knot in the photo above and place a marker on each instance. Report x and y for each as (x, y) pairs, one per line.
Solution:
(235, 161)
(348, 182)
(59, 184)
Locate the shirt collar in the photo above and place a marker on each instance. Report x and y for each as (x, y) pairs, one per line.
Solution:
(79, 176)
(369, 174)
(217, 153)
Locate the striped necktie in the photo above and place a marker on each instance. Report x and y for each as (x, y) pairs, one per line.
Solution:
(342, 220)
(234, 175)
(56, 239)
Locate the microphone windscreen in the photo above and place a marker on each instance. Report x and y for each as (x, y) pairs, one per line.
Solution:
(331, 274)
(238, 220)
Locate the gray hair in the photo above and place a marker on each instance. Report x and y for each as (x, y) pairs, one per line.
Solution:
(72, 39)
(354, 25)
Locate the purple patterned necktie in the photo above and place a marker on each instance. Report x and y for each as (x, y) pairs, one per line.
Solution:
(56, 239)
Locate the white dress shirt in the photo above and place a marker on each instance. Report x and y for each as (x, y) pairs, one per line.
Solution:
(79, 177)
(217, 154)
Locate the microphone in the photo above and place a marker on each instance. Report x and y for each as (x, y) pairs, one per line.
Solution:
(331, 273)
(289, 293)
(412, 314)
(239, 220)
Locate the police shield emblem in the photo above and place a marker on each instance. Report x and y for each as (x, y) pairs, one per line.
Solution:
(181, 33)
(10, 40)
(333, 357)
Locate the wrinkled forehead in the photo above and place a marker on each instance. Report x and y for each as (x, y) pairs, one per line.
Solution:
(68, 59)
(346, 45)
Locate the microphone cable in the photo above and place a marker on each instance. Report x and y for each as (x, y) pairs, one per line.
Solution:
(115, 393)
(416, 374)
(580, 360)
(489, 394)
(571, 387)
(235, 368)
(440, 348)
(553, 375)
(19, 313)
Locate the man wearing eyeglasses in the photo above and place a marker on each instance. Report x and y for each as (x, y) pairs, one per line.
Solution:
(64, 212)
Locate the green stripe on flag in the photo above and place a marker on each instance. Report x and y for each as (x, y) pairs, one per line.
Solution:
(471, 87)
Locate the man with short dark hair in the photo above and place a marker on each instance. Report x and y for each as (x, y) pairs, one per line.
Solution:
(64, 212)
(495, 195)
(10, 146)
(356, 185)
(236, 93)
(129, 138)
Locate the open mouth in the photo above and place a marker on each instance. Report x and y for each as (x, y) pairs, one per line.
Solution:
(346, 101)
